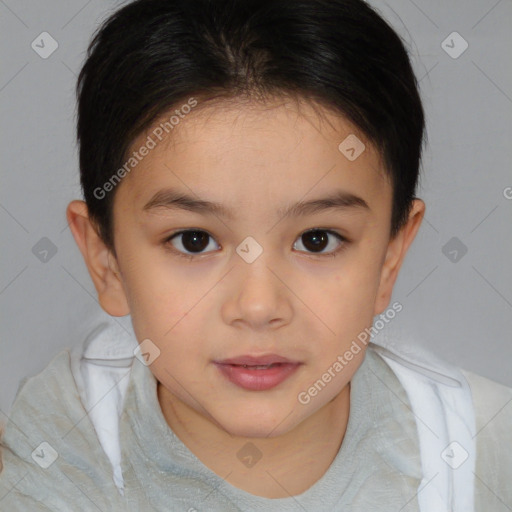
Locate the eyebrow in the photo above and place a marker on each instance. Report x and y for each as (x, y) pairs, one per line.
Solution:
(173, 199)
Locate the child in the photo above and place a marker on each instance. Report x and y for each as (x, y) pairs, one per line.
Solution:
(283, 140)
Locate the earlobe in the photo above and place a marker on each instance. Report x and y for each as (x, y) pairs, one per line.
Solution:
(395, 255)
(102, 265)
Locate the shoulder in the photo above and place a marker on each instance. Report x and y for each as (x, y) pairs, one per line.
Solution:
(49, 447)
(56, 376)
(493, 416)
(491, 399)
(40, 401)
(493, 404)
(38, 398)
(493, 407)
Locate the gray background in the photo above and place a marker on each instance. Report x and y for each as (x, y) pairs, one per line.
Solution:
(459, 307)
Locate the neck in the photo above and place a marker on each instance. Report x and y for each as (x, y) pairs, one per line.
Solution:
(290, 463)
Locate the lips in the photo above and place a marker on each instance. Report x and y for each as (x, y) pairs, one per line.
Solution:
(257, 373)
(256, 361)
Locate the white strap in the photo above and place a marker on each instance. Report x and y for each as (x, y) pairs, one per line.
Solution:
(101, 369)
(441, 401)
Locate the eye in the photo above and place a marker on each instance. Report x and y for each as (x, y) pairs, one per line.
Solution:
(193, 242)
(316, 240)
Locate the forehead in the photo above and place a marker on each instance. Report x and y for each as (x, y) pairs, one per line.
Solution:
(241, 153)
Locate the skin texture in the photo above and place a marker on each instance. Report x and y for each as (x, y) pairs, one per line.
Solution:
(304, 305)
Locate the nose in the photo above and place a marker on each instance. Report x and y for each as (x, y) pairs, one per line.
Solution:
(259, 297)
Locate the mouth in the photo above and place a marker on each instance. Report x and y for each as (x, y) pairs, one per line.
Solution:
(257, 373)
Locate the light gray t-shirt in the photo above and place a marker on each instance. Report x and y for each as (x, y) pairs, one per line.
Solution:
(376, 469)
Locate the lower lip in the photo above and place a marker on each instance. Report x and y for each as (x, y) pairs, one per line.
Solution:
(257, 380)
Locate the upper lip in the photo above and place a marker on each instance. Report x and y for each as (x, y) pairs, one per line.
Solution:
(256, 361)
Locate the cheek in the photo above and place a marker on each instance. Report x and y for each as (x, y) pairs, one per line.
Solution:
(155, 296)
(167, 309)
(347, 299)
(164, 305)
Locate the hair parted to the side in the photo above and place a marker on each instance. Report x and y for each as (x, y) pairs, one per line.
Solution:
(152, 55)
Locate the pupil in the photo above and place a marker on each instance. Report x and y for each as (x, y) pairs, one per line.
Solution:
(195, 240)
(319, 240)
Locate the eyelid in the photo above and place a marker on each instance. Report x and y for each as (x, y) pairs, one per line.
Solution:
(189, 256)
(341, 238)
(344, 241)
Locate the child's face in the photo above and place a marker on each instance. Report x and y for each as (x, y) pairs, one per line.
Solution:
(228, 301)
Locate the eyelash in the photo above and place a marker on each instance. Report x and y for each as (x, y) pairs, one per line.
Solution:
(168, 246)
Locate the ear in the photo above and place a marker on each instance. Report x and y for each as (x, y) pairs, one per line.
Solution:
(396, 251)
(101, 263)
